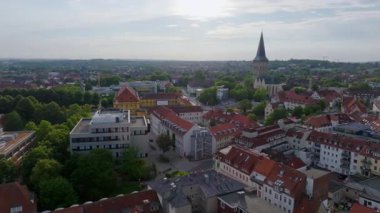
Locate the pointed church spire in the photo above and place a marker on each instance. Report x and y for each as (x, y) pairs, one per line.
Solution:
(260, 56)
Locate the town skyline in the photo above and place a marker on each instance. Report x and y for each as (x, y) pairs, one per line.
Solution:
(181, 30)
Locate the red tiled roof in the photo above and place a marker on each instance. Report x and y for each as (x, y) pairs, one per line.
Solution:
(186, 109)
(264, 136)
(265, 166)
(358, 208)
(329, 95)
(14, 194)
(346, 143)
(241, 159)
(127, 94)
(351, 105)
(291, 179)
(136, 202)
(292, 97)
(318, 121)
(295, 163)
(161, 96)
(171, 119)
(307, 206)
(223, 130)
(238, 120)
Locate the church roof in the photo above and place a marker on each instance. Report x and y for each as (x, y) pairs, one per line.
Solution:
(260, 55)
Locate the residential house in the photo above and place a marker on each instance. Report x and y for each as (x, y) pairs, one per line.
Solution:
(16, 198)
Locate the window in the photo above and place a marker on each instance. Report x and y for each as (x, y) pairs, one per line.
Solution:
(16, 209)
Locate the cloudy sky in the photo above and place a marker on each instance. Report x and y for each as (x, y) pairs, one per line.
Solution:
(339, 30)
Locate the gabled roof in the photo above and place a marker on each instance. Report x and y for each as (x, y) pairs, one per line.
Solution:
(292, 97)
(223, 130)
(14, 194)
(172, 120)
(240, 158)
(127, 94)
(260, 55)
(161, 96)
(287, 178)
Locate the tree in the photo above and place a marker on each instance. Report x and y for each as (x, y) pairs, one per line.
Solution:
(30, 160)
(6, 104)
(297, 111)
(94, 176)
(30, 126)
(58, 141)
(51, 112)
(164, 142)
(134, 167)
(259, 109)
(260, 95)
(244, 105)
(56, 192)
(7, 171)
(45, 169)
(13, 121)
(43, 130)
(208, 96)
(299, 90)
(276, 115)
(25, 107)
(253, 116)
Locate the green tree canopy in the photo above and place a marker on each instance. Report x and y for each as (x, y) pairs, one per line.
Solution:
(45, 169)
(13, 122)
(244, 105)
(276, 115)
(208, 96)
(259, 109)
(30, 160)
(26, 107)
(94, 176)
(135, 168)
(164, 142)
(8, 171)
(56, 192)
(297, 111)
(260, 95)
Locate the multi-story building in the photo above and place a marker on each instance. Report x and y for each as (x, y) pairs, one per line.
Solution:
(326, 123)
(190, 113)
(223, 135)
(201, 144)
(196, 192)
(240, 164)
(291, 99)
(264, 137)
(276, 183)
(110, 129)
(221, 93)
(128, 99)
(218, 116)
(13, 145)
(166, 121)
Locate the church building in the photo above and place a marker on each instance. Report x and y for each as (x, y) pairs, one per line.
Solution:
(262, 80)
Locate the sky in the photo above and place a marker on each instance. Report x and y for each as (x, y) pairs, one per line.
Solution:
(337, 30)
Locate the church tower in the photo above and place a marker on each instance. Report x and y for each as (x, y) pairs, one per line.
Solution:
(260, 63)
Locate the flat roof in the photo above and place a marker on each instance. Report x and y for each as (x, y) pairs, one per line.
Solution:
(10, 140)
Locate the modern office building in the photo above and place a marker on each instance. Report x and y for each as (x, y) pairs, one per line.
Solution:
(110, 129)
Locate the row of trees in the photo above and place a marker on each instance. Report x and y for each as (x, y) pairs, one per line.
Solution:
(27, 109)
(63, 95)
